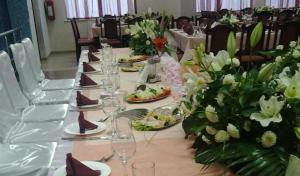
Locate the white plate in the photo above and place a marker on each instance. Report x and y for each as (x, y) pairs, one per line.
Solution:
(74, 104)
(105, 169)
(73, 129)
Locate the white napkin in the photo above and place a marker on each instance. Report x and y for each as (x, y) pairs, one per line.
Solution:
(144, 75)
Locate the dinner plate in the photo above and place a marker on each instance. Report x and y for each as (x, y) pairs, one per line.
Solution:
(105, 169)
(73, 129)
(74, 104)
(150, 99)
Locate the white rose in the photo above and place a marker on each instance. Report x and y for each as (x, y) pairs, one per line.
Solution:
(228, 61)
(221, 136)
(211, 114)
(278, 59)
(296, 54)
(268, 139)
(220, 98)
(228, 79)
(244, 75)
(233, 131)
(211, 130)
(236, 62)
(280, 47)
(148, 42)
(293, 44)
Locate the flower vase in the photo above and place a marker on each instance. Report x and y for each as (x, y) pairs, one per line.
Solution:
(153, 63)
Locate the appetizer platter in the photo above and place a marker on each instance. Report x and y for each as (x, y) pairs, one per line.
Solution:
(146, 93)
(132, 59)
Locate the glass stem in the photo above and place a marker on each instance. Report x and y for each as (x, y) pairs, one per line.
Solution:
(113, 123)
(125, 168)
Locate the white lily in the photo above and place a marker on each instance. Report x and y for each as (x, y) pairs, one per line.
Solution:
(270, 111)
(216, 63)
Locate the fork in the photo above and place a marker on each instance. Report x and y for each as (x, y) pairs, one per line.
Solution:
(106, 159)
(103, 120)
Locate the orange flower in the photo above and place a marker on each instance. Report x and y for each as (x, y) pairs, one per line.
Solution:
(159, 43)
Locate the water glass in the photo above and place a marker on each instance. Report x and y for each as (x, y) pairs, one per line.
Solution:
(123, 144)
(143, 168)
(111, 83)
(111, 107)
(121, 95)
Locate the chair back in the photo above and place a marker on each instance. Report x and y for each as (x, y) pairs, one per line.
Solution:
(75, 29)
(219, 36)
(223, 12)
(247, 11)
(133, 21)
(109, 17)
(204, 21)
(112, 28)
(29, 84)
(285, 15)
(34, 59)
(7, 74)
(264, 17)
(289, 31)
(181, 21)
(245, 38)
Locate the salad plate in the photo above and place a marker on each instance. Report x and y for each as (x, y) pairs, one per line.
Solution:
(149, 94)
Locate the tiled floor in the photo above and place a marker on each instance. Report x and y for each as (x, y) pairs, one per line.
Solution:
(60, 65)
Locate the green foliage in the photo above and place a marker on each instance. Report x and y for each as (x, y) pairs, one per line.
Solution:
(231, 44)
(256, 35)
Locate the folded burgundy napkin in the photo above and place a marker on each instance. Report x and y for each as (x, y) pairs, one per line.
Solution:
(87, 67)
(92, 57)
(86, 81)
(84, 124)
(93, 49)
(188, 28)
(83, 100)
(76, 168)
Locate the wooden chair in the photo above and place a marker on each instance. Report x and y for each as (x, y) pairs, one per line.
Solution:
(223, 12)
(112, 32)
(205, 21)
(264, 17)
(285, 15)
(246, 53)
(133, 21)
(181, 21)
(246, 11)
(219, 36)
(289, 31)
(82, 41)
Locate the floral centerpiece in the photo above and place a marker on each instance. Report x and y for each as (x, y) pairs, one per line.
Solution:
(247, 120)
(148, 37)
(229, 19)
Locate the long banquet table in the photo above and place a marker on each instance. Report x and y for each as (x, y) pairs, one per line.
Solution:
(169, 150)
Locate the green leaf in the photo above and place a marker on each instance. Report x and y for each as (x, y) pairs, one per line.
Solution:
(273, 53)
(231, 45)
(256, 35)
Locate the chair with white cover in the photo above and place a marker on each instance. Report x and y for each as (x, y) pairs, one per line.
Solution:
(26, 159)
(19, 103)
(35, 63)
(30, 85)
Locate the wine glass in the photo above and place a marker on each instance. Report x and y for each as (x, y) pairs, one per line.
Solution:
(111, 83)
(111, 106)
(123, 144)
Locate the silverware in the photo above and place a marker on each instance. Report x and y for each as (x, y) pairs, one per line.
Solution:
(103, 120)
(134, 113)
(86, 138)
(106, 159)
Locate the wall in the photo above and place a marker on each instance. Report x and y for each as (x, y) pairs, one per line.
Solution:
(170, 6)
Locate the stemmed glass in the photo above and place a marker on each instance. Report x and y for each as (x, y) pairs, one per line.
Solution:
(123, 144)
(111, 106)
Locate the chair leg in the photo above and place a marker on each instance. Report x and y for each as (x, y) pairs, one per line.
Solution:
(78, 52)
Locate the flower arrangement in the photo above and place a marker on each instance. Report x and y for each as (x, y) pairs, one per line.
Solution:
(229, 19)
(248, 121)
(148, 37)
(263, 9)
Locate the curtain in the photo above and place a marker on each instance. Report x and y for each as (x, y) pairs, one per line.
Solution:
(235, 4)
(81, 8)
(96, 8)
(281, 3)
(206, 5)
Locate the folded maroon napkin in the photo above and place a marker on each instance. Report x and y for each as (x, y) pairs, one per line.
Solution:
(86, 81)
(93, 49)
(76, 168)
(87, 67)
(188, 28)
(92, 57)
(84, 124)
(83, 100)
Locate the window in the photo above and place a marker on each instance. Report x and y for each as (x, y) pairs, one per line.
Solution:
(235, 4)
(96, 8)
(281, 3)
(206, 5)
(212, 5)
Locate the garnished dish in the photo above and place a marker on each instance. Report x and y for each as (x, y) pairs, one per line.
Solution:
(158, 119)
(130, 69)
(131, 59)
(146, 93)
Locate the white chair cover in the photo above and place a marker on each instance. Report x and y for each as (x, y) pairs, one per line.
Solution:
(15, 97)
(31, 86)
(35, 64)
(26, 159)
